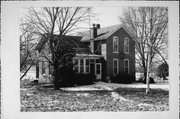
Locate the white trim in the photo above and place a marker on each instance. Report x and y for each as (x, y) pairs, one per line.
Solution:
(84, 65)
(117, 66)
(96, 68)
(78, 65)
(128, 32)
(81, 65)
(128, 64)
(120, 26)
(88, 65)
(116, 38)
(124, 45)
(100, 70)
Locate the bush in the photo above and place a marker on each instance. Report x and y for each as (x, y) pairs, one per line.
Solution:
(70, 78)
(83, 79)
(151, 80)
(163, 71)
(123, 78)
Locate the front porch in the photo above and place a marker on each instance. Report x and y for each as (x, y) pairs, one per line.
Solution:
(89, 64)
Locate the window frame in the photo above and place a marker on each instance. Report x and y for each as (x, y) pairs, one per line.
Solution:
(126, 52)
(43, 67)
(81, 66)
(76, 66)
(114, 39)
(125, 65)
(87, 66)
(115, 59)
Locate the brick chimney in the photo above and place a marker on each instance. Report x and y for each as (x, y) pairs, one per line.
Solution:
(95, 27)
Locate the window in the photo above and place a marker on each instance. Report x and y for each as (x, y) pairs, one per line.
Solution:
(87, 66)
(76, 65)
(126, 45)
(43, 67)
(126, 66)
(81, 65)
(115, 44)
(103, 50)
(92, 61)
(115, 67)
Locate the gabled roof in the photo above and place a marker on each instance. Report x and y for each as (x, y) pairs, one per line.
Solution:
(71, 40)
(102, 33)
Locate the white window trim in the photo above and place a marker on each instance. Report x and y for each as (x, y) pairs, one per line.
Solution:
(117, 45)
(100, 68)
(128, 64)
(117, 66)
(78, 65)
(124, 45)
(85, 66)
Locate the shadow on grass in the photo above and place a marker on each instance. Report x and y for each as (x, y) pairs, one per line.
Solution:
(44, 96)
(136, 94)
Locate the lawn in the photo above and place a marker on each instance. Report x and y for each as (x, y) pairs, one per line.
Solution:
(41, 99)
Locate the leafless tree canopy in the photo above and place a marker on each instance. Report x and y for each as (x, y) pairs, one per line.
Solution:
(47, 21)
(59, 20)
(148, 26)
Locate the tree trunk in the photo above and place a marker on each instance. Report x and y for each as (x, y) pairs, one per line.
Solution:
(148, 71)
(147, 75)
(56, 78)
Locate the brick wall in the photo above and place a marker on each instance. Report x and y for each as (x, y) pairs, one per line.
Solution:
(121, 34)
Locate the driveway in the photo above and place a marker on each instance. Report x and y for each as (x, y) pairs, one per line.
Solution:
(106, 86)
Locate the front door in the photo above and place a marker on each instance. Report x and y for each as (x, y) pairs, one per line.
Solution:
(98, 71)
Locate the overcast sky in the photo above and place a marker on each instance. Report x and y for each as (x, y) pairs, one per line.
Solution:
(105, 16)
(108, 16)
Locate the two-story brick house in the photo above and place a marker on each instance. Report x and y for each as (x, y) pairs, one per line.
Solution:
(112, 52)
(114, 49)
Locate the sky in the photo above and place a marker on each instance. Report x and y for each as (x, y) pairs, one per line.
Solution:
(108, 16)
(105, 16)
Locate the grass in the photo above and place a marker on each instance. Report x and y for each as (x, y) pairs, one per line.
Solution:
(40, 99)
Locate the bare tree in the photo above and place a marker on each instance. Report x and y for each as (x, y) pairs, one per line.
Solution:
(48, 21)
(148, 26)
(27, 50)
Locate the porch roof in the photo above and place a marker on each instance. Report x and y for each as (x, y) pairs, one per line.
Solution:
(88, 56)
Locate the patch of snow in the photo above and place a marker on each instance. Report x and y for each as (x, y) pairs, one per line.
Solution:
(83, 94)
(144, 104)
(117, 96)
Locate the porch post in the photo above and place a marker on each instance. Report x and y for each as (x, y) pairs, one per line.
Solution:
(84, 65)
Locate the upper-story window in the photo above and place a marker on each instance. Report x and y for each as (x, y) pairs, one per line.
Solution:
(126, 45)
(115, 44)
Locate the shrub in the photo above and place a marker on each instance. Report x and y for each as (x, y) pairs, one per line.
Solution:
(83, 79)
(70, 78)
(123, 78)
(163, 71)
(151, 80)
